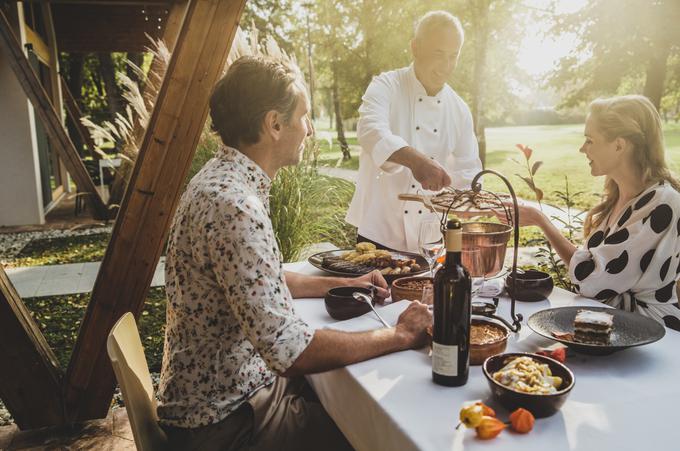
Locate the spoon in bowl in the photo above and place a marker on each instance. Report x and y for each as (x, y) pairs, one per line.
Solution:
(362, 297)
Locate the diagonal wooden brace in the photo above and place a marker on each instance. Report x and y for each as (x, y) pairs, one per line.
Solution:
(30, 380)
(150, 201)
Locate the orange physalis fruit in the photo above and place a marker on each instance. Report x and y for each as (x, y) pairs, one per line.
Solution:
(489, 428)
(522, 421)
(471, 416)
(486, 410)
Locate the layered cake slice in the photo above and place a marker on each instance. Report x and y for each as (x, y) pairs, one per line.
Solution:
(592, 327)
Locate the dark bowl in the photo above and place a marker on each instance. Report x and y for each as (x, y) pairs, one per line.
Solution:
(539, 405)
(341, 305)
(529, 286)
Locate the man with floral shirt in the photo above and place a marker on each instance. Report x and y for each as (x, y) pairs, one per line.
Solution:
(234, 347)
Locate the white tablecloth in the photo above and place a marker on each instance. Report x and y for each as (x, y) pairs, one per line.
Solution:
(629, 400)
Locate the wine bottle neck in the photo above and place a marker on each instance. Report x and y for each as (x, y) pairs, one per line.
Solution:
(454, 240)
(453, 258)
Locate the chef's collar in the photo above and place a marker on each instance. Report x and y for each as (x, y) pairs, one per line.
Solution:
(418, 87)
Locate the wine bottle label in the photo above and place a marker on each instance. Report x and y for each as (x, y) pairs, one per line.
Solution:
(445, 359)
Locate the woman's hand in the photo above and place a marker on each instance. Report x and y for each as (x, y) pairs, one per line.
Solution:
(373, 278)
(528, 214)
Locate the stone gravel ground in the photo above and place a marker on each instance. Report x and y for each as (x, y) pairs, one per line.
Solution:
(11, 244)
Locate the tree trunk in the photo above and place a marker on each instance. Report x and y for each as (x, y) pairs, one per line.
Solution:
(108, 71)
(344, 147)
(136, 58)
(480, 15)
(656, 73)
(331, 116)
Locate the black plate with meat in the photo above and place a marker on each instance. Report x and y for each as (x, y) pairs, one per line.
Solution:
(332, 263)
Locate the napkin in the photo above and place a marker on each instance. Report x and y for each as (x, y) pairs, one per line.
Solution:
(490, 288)
(369, 321)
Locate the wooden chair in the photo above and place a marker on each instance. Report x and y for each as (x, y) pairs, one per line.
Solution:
(132, 372)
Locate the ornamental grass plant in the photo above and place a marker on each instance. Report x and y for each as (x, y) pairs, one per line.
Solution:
(307, 207)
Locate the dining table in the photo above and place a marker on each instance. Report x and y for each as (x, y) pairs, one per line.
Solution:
(628, 400)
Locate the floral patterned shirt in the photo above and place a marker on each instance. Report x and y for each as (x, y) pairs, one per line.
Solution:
(230, 318)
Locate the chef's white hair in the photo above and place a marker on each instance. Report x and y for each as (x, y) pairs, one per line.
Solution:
(438, 19)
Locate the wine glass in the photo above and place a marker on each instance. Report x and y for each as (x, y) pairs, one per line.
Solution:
(472, 260)
(430, 242)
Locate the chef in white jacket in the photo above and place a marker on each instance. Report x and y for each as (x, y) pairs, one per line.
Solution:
(416, 134)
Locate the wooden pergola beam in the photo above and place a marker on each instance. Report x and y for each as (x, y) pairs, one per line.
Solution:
(30, 380)
(45, 110)
(151, 198)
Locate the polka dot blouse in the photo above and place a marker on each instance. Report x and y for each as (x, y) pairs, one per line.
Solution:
(230, 319)
(633, 262)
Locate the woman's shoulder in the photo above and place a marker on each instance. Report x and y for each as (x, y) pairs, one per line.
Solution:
(668, 194)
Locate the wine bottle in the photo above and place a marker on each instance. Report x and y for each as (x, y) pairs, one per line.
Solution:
(452, 314)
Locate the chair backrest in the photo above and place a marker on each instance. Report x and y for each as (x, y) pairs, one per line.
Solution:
(132, 372)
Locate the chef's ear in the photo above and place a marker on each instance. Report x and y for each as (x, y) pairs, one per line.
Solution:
(273, 124)
(414, 47)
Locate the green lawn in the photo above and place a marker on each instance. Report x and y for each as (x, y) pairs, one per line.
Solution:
(556, 145)
(333, 157)
(59, 319)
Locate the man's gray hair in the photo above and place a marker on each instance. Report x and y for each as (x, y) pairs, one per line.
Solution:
(438, 19)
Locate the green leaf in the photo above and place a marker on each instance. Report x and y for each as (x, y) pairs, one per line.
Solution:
(528, 181)
(535, 167)
(539, 194)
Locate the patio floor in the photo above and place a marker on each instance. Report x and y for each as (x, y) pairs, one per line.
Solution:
(111, 433)
(72, 278)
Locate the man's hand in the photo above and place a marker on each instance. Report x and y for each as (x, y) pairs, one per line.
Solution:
(373, 278)
(431, 175)
(412, 324)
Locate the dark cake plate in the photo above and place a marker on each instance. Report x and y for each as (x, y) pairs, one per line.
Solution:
(628, 329)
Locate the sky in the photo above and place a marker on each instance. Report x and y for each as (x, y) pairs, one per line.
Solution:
(538, 52)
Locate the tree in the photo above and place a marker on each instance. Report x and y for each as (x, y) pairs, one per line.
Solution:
(623, 46)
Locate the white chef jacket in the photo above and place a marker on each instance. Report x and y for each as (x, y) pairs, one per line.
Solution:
(397, 112)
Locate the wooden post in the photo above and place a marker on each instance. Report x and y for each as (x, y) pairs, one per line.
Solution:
(49, 116)
(151, 198)
(30, 380)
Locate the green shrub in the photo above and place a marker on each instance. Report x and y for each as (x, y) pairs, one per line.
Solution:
(206, 149)
(307, 207)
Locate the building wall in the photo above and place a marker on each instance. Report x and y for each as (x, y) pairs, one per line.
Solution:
(20, 194)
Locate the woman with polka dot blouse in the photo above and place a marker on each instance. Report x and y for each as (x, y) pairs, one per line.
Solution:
(631, 256)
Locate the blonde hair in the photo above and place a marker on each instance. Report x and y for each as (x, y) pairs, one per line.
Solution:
(635, 119)
(438, 19)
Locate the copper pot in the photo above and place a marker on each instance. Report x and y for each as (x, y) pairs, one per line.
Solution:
(484, 245)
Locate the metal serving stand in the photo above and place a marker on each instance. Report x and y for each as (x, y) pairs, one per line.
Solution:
(461, 198)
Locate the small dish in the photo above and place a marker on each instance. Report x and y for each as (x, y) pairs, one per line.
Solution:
(341, 305)
(529, 286)
(539, 405)
(483, 343)
(409, 288)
